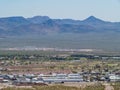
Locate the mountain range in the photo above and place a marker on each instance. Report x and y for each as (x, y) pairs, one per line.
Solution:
(38, 25)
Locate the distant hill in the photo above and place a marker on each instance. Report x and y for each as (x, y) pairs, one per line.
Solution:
(44, 25)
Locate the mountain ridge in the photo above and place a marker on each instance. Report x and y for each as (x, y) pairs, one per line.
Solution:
(37, 25)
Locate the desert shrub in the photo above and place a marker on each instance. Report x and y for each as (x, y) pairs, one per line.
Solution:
(59, 87)
(116, 85)
(13, 88)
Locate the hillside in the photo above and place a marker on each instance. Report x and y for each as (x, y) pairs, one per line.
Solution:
(44, 25)
(42, 31)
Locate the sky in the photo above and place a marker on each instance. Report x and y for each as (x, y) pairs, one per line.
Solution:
(108, 10)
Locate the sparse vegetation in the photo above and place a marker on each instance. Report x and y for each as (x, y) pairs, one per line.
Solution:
(58, 87)
(116, 85)
(24, 61)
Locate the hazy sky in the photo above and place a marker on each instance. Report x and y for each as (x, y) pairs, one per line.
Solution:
(76, 9)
